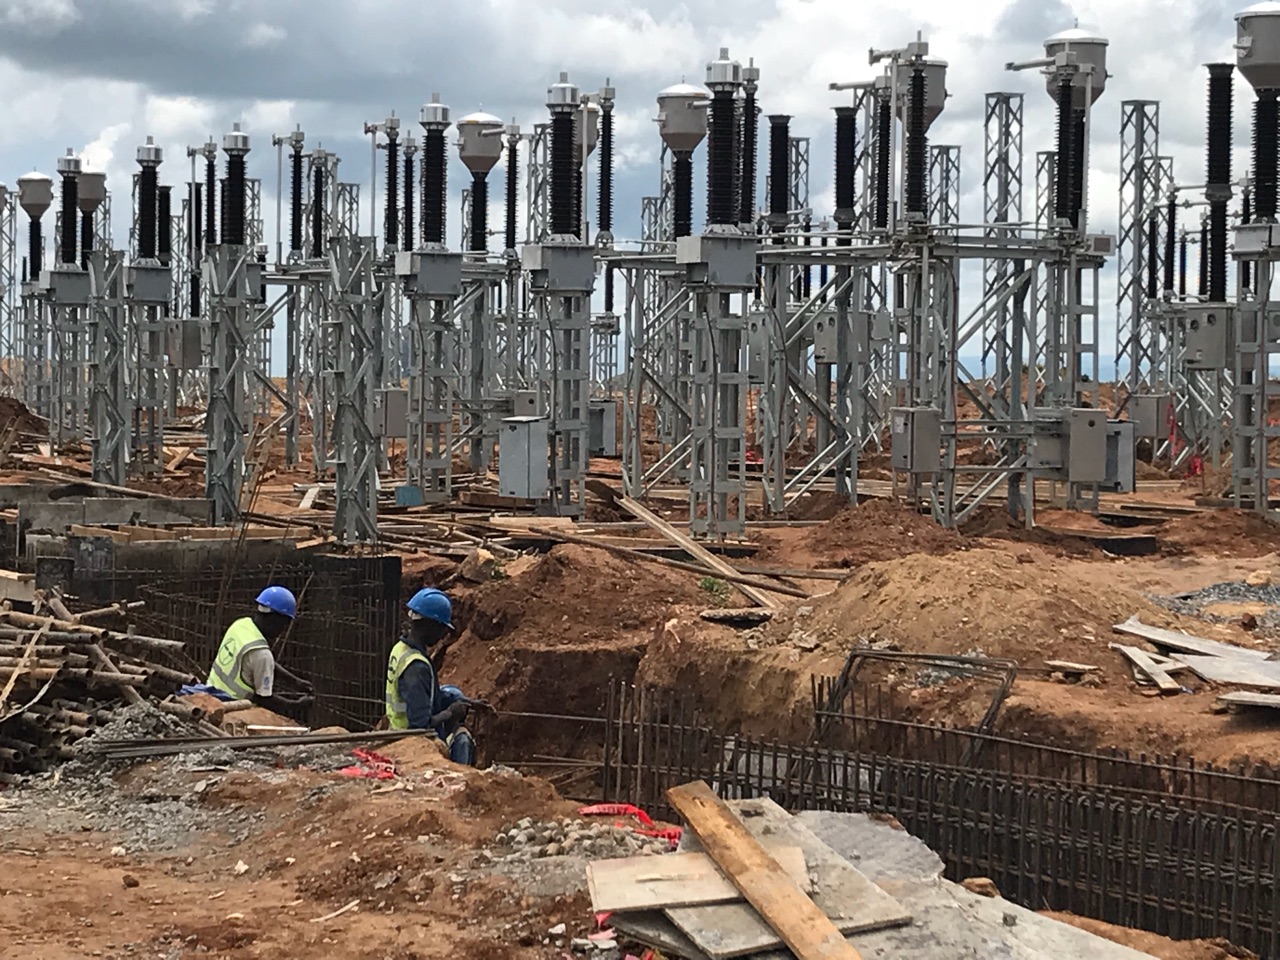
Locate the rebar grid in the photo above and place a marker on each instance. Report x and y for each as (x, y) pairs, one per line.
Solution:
(348, 616)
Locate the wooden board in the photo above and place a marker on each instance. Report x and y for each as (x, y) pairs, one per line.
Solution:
(1186, 643)
(844, 900)
(679, 880)
(1243, 698)
(1153, 666)
(695, 550)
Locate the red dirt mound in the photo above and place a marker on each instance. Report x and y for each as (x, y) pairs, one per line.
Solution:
(880, 530)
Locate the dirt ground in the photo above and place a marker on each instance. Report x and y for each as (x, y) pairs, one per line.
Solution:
(416, 857)
(1155, 945)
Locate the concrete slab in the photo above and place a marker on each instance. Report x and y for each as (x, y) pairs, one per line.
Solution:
(949, 923)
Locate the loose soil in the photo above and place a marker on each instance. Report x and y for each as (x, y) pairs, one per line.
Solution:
(1157, 946)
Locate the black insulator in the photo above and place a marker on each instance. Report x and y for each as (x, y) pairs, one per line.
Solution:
(295, 202)
(1218, 251)
(1182, 265)
(1078, 173)
(196, 222)
(35, 250)
(86, 239)
(148, 192)
(846, 163)
(318, 201)
(806, 272)
(606, 170)
(884, 133)
(1063, 165)
(1246, 213)
(682, 193)
(721, 173)
(210, 210)
(479, 213)
(391, 226)
(562, 174)
(237, 186)
(1170, 238)
(1204, 259)
(608, 288)
(917, 146)
(823, 272)
(1153, 261)
(1218, 162)
(513, 190)
(779, 170)
(70, 204)
(164, 235)
(750, 146)
(408, 200)
(1266, 117)
(434, 186)
(577, 190)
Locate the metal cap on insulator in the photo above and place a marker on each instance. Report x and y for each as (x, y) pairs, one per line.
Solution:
(410, 146)
(434, 115)
(149, 155)
(236, 142)
(562, 95)
(391, 127)
(92, 191)
(480, 141)
(935, 88)
(297, 140)
(593, 127)
(69, 165)
(35, 194)
(682, 116)
(723, 72)
(750, 75)
(1258, 44)
(1090, 50)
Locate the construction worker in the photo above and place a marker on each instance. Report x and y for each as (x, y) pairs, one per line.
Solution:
(415, 701)
(245, 668)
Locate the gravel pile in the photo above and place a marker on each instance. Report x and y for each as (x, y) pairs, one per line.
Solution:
(532, 840)
(1234, 591)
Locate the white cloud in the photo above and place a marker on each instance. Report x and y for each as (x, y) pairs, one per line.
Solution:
(263, 35)
(44, 14)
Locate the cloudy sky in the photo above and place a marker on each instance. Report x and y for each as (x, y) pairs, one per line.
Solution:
(99, 76)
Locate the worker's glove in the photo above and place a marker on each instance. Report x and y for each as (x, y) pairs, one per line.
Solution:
(458, 711)
(484, 706)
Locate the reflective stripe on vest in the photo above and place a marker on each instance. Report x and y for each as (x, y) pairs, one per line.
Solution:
(241, 637)
(397, 710)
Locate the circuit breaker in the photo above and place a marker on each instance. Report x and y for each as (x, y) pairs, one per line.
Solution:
(524, 458)
(602, 428)
(917, 439)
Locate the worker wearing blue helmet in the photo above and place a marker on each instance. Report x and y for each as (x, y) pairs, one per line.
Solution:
(414, 698)
(245, 668)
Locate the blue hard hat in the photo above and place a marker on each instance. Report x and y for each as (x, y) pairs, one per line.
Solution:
(431, 604)
(449, 695)
(278, 600)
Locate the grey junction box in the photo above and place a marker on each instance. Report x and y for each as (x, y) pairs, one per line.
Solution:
(917, 438)
(602, 428)
(524, 458)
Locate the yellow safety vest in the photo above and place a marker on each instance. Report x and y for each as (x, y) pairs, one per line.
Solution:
(401, 656)
(240, 638)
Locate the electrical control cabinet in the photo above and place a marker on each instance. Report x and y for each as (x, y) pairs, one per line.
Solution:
(1149, 414)
(602, 428)
(917, 439)
(1209, 336)
(524, 458)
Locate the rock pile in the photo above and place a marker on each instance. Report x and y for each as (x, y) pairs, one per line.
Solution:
(531, 840)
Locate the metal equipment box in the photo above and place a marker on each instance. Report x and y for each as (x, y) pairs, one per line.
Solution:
(434, 274)
(66, 285)
(560, 268)
(1149, 414)
(1256, 241)
(757, 347)
(524, 403)
(1209, 332)
(1122, 475)
(825, 330)
(393, 413)
(917, 439)
(149, 282)
(602, 428)
(184, 348)
(724, 260)
(524, 458)
(1071, 445)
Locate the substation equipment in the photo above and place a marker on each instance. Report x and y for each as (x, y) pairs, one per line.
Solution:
(757, 360)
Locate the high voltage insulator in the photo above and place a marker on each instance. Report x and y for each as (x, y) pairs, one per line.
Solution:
(917, 145)
(884, 135)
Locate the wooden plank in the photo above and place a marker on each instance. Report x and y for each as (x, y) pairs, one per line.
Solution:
(679, 880)
(788, 911)
(1150, 665)
(1186, 643)
(1067, 666)
(695, 550)
(309, 498)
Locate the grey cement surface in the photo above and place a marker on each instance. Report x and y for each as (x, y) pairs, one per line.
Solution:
(948, 921)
